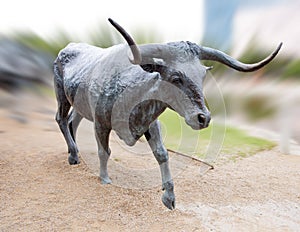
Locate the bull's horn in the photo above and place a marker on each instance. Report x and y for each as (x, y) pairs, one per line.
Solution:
(206, 53)
(137, 59)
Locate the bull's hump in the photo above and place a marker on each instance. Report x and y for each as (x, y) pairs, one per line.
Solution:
(72, 51)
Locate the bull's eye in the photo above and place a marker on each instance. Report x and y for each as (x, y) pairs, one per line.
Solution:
(177, 80)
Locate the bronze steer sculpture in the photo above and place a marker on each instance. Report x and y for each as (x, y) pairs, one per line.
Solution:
(127, 95)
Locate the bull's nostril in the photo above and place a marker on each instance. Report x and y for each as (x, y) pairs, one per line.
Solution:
(201, 119)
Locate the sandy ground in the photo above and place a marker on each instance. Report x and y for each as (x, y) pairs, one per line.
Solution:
(40, 191)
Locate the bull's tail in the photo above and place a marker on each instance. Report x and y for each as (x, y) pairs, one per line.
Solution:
(57, 68)
(59, 81)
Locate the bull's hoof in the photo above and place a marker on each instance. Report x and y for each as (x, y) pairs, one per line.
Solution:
(105, 180)
(169, 200)
(73, 160)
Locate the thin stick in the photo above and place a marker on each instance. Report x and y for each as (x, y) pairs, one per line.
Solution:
(191, 157)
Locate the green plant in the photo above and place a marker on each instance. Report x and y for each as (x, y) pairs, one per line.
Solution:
(292, 69)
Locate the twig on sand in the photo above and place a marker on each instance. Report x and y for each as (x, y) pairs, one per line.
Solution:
(191, 157)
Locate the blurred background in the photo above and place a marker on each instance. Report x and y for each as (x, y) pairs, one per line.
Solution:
(33, 32)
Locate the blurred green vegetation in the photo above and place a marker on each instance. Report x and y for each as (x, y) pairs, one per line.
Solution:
(258, 107)
(103, 36)
(292, 69)
(237, 143)
(36, 42)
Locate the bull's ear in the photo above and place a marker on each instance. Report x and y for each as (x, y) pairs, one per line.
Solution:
(159, 61)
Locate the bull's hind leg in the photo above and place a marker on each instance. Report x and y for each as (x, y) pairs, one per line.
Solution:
(62, 118)
(153, 135)
(73, 122)
(102, 137)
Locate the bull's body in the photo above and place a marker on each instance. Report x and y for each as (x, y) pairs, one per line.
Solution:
(127, 96)
(91, 79)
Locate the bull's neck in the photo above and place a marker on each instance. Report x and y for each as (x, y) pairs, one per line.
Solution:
(143, 115)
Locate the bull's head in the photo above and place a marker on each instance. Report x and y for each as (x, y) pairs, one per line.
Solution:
(178, 63)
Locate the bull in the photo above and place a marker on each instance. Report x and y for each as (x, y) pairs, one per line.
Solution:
(125, 88)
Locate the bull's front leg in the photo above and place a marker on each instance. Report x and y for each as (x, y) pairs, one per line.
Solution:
(102, 137)
(153, 135)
